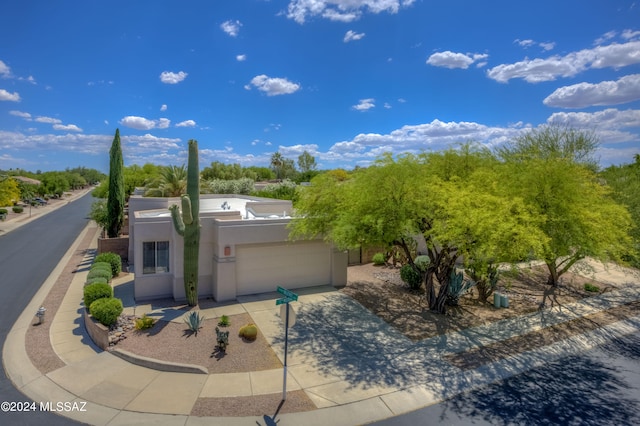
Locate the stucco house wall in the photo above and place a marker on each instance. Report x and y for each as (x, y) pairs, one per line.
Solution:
(244, 249)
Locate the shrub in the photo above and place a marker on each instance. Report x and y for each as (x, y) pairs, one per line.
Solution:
(144, 322)
(96, 291)
(422, 262)
(411, 277)
(458, 286)
(591, 288)
(99, 273)
(224, 321)
(96, 280)
(378, 259)
(113, 259)
(249, 331)
(106, 310)
(4, 211)
(101, 265)
(194, 321)
(17, 209)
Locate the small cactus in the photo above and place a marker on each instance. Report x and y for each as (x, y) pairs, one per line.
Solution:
(249, 331)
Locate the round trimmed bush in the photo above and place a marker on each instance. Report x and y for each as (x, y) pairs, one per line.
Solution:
(422, 262)
(99, 273)
(378, 259)
(17, 209)
(96, 291)
(4, 211)
(113, 259)
(249, 331)
(102, 265)
(95, 280)
(411, 277)
(106, 310)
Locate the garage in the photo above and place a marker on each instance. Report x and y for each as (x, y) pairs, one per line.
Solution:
(263, 267)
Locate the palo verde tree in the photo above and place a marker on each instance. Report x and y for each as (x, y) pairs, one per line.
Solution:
(395, 199)
(115, 199)
(552, 170)
(187, 225)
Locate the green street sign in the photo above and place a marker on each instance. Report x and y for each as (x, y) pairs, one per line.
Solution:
(287, 294)
(284, 300)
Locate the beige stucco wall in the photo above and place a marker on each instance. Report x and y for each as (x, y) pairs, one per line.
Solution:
(222, 232)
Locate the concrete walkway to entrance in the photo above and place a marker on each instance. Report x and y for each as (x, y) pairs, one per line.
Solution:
(356, 368)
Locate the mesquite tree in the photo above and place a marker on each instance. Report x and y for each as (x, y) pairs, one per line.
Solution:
(187, 225)
(115, 199)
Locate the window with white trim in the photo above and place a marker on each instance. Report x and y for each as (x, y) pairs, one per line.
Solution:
(155, 257)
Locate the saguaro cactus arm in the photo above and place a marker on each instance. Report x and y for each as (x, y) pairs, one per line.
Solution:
(177, 219)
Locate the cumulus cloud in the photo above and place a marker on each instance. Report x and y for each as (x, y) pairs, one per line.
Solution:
(536, 70)
(186, 123)
(623, 90)
(48, 120)
(21, 114)
(169, 77)
(364, 104)
(608, 119)
(529, 43)
(231, 27)
(273, 86)
(5, 71)
(163, 107)
(341, 10)
(7, 96)
(241, 58)
(352, 36)
(141, 123)
(451, 60)
(67, 127)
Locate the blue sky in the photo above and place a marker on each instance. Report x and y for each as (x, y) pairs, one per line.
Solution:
(345, 80)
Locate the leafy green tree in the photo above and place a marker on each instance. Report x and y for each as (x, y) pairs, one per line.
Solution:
(277, 164)
(172, 182)
(306, 162)
(9, 191)
(390, 202)
(99, 213)
(258, 173)
(552, 171)
(624, 182)
(116, 198)
(219, 170)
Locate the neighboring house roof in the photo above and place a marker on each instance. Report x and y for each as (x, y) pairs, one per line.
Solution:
(27, 180)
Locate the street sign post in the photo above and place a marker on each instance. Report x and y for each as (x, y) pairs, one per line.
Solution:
(289, 296)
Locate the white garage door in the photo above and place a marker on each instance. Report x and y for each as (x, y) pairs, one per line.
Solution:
(262, 268)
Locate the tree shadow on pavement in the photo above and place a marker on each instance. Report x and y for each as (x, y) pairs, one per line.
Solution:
(575, 390)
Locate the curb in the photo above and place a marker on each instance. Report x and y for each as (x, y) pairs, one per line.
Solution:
(167, 366)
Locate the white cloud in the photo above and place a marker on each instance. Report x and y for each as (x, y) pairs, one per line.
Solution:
(169, 77)
(5, 71)
(67, 128)
(451, 60)
(48, 120)
(139, 123)
(608, 119)
(163, 107)
(6, 96)
(606, 37)
(352, 36)
(625, 89)
(630, 34)
(186, 123)
(241, 58)
(341, 10)
(529, 43)
(231, 27)
(536, 70)
(21, 114)
(387, 105)
(364, 104)
(273, 86)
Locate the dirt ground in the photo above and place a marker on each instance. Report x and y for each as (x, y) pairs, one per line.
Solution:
(380, 289)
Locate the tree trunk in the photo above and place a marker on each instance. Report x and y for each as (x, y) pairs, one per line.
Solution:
(552, 280)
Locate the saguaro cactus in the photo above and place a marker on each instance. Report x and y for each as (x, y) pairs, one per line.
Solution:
(187, 224)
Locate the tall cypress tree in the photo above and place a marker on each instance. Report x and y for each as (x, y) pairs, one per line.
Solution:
(115, 200)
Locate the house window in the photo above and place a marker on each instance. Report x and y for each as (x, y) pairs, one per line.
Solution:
(155, 257)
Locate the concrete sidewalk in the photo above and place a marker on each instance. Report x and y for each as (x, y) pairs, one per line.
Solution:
(352, 365)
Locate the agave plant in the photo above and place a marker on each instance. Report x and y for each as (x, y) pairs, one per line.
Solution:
(458, 286)
(194, 321)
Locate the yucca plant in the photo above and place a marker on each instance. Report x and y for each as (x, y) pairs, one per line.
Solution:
(194, 321)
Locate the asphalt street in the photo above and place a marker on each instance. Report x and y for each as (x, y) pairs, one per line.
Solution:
(597, 387)
(28, 255)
